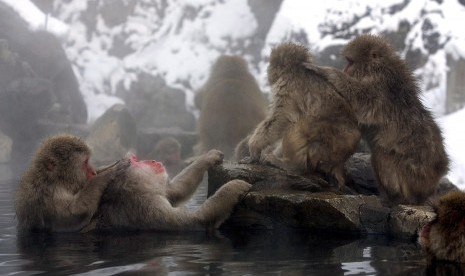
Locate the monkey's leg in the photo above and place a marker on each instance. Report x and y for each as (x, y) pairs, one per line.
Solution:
(186, 182)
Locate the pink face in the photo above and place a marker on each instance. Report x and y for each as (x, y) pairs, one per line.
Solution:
(87, 168)
(157, 167)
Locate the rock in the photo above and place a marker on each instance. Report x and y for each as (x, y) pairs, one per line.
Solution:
(327, 212)
(156, 105)
(43, 53)
(6, 145)
(279, 200)
(112, 136)
(405, 221)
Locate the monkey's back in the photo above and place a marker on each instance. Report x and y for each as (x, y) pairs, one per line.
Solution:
(231, 108)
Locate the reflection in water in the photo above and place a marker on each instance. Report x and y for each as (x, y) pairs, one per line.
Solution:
(200, 253)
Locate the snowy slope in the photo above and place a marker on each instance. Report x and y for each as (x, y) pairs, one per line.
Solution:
(180, 39)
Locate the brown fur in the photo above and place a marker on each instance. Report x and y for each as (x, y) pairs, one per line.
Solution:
(444, 237)
(231, 106)
(168, 151)
(142, 199)
(54, 193)
(318, 130)
(407, 148)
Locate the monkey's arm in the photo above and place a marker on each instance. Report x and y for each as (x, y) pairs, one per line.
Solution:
(186, 182)
(269, 130)
(74, 211)
(366, 97)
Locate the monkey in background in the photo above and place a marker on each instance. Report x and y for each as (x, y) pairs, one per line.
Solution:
(231, 105)
(143, 198)
(168, 152)
(444, 237)
(60, 191)
(408, 154)
(318, 130)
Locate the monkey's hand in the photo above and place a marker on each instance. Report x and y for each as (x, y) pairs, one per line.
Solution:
(114, 171)
(213, 157)
(319, 70)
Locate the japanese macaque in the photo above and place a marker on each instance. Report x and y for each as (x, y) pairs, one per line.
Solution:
(60, 191)
(168, 152)
(318, 130)
(407, 148)
(143, 198)
(444, 237)
(231, 105)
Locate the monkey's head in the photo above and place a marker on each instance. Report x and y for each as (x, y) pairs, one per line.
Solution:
(63, 158)
(444, 237)
(287, 57)
(146, 170)
(367, 54)
(168, 150)
(229, 67)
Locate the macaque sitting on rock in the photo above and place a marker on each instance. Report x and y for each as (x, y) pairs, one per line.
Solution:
(144, 199)
(444, 237)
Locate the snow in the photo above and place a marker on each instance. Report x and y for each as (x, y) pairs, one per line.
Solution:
(181, 47)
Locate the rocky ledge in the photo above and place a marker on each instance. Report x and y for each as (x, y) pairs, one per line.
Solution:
(279, 200)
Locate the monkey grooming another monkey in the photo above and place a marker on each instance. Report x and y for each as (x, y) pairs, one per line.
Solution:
(231, 105)
(60, 191)
(444, 237)
(143, 198)
(318, 130)
(408, 154)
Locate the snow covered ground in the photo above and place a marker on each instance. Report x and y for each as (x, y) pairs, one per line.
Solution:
(182, 56)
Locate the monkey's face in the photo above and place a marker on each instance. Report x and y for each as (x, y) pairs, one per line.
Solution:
(444, 237)
(147, 170)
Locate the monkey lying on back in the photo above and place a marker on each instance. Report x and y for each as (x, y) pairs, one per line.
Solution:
(143, 199)
(407, 148)
(444, 237)
(318, 131)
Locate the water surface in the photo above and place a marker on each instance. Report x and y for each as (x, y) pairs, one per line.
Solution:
(201, 253)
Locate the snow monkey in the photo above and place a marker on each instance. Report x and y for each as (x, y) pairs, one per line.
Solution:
(408, 153)
(231, 105)
(318, 130)
(143, 198)
(60, 191)
(444, 237)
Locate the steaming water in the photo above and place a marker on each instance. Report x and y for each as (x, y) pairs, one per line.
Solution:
(198, 253)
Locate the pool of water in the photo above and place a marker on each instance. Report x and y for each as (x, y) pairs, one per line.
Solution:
(201, 253)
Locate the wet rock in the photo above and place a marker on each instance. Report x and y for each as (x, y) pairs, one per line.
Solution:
(279, 200)
(6, 145)
(112, 136)
(405, 221)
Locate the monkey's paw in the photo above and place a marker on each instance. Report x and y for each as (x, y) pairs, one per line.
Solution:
(236, 188)
(214, 157)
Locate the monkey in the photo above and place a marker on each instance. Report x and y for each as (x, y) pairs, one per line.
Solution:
(231, 105)
(60, 191)
(144, 198)
(317, 130)
(444, 237)
(407, 147)
(168, 152)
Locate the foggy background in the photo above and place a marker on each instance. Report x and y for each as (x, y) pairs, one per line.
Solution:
(149, 52)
